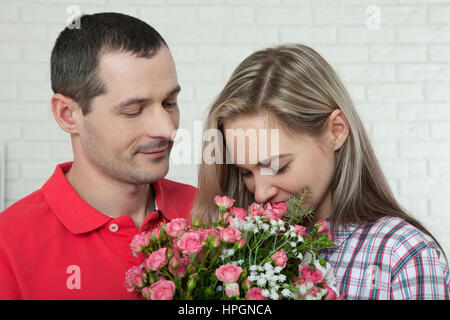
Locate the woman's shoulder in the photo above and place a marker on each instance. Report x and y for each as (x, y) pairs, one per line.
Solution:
(401, 238)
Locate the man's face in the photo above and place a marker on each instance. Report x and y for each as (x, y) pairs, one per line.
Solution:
(128, 134)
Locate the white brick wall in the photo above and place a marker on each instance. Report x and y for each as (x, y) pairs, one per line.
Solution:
(398, 76)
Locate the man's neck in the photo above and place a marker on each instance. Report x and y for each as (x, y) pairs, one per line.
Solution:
(109, 196)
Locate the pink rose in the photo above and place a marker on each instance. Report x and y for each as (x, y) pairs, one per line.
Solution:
(255, 294)
(229, 234)
(315, 276)
(255, 209)
(322, 226)
(139, 242)
(176, 227)
(190, 243)
(182, 266)
(239, 213)
(228, 273)
(224, 202)
(162, 290)
(232, 289)
(204, 233)
(275, 211)
(330, 235)
(331, 295)
(300, 230)
(134, 277)
(280, 207)
(280, 258)
(156, 260)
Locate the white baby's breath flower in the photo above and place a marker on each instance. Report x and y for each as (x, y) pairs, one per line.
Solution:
(253, 267)
(293, 244)
(261, 281)
(300, 238)
(265, 293)
(251, 277)
(274, 295)
(277, 269)
(219, 288)
(300, 256)
(281, 278)
(286, 293)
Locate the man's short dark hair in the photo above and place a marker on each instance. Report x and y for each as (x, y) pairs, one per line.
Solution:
(76, 53)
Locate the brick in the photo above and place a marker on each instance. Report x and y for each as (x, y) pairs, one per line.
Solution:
(385, 150)
(17, 189)
(183, 53)
(61, 151)
(403, 131)
(24, 150)
(372, 111)
(362, 34)
(10, 131)
(424, 72)
(437, 92)
(167, 15)
(439, 52)
(439, 14)
(432, 149)
(367, 72)
(440, 130)
(196, 73)
(440, 169)
(424, 34)
(425, 187)
(399, 15)
(398, 169)
(341, 53)
(424, 111)
(224, 53)
(45, 14)
(394, 92)
(284, 15)
(22, 33)
(43, 131)
(25, 72)
(252, 34)
(192, 34)
(38, 170)
(307, 34)
(8, 91)
(9, 52)
(339, 15)
(12, 171)
(404, 53)
(226, 15)
(9, 13)
(35, 92)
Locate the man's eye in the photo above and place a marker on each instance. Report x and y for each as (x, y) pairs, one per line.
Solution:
(170, 105)
(133, 114)
(245, 173)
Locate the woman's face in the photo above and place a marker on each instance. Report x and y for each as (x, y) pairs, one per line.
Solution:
(290, 163)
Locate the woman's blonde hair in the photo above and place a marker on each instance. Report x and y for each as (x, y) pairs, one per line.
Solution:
(296, 86)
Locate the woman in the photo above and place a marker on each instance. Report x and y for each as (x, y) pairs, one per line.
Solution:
(381, 251)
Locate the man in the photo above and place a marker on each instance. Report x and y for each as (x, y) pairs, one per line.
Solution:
(116, 90)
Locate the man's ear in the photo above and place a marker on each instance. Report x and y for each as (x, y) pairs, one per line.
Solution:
(66, 113)
(338, 127)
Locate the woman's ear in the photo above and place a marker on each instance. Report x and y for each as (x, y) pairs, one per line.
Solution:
(66, 113)
(338, 128)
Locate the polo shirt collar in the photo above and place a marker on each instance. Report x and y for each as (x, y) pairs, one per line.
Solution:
(73, 211)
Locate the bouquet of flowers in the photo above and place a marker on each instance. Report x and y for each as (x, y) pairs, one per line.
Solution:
(256, 254)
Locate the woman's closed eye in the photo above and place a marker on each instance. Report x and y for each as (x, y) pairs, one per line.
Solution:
(247, 173)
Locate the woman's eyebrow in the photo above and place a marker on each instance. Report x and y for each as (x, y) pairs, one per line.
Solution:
(267, 161)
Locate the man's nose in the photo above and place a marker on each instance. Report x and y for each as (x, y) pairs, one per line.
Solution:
(264, 191)
(160, 124)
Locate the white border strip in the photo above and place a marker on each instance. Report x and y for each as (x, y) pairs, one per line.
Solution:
(2, 176)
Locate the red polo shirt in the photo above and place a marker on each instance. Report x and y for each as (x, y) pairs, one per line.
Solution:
(54, 245)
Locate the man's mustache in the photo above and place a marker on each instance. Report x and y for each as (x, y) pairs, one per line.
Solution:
(155, 145)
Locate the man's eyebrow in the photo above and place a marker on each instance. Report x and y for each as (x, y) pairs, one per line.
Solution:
(132, 101)
(265, 162)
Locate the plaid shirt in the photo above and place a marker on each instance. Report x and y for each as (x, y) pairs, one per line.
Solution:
(390, 259)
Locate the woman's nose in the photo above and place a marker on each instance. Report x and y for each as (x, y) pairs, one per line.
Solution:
(264, 192)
